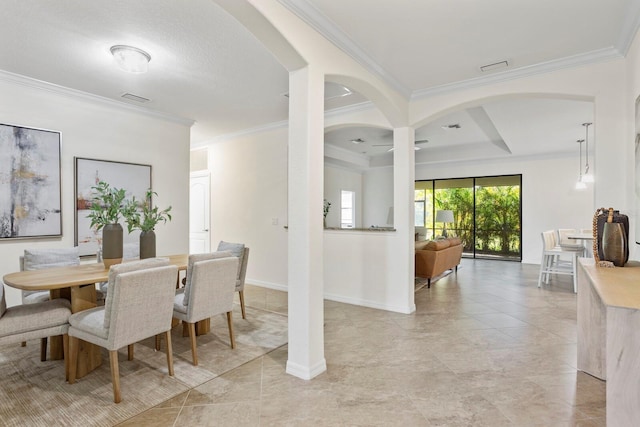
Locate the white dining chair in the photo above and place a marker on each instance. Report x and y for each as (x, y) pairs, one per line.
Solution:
(553, 262)
(139, 305)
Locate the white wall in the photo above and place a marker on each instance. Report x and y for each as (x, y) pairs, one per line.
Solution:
(378, 196)
(100, 130)
(336, 179)
(249, 194)
(633, 82)
(549, 198)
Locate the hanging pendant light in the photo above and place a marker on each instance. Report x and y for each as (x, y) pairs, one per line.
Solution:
(580, 185)
(588, 176)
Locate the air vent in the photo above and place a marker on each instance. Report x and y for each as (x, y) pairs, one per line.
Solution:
(357, 140)
(494, 66)
(136, 98)
(452, 126)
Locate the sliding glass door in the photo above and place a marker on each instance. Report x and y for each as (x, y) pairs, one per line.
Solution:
(486, 214)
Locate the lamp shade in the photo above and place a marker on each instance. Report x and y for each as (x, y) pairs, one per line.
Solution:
(444, 216)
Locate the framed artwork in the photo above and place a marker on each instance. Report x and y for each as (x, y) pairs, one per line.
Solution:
(30, 189)
(134, 178)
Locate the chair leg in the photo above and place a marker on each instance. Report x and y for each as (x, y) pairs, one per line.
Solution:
(429, 283)
(65, 351)
(230, 324)
(574, 267)
(130, 352)
(244, 315)
(43, 349)
(169, 353)
(115, 375)
(23, 344)
(192, 338)
(158, 343)
(74, 346)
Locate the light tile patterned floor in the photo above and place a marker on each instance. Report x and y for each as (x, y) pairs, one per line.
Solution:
(485, 347)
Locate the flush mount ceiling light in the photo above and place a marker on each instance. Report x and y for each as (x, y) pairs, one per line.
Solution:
(131, 59)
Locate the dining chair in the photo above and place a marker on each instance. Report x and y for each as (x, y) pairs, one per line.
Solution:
(209, 291)
(240, 251)
(130, 251)
(552, 262)
(569, 244)
(40, 259)
(139, 305)
(26, 322)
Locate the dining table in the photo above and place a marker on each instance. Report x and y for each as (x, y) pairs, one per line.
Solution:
(76, 283)
(586, 239)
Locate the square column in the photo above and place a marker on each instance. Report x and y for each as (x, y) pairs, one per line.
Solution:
(305, 239)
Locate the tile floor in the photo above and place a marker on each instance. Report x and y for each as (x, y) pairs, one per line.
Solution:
(485, 347)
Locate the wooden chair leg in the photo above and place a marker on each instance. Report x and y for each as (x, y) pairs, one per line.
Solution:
(115, 375)
(43, 349)
(65, 351)
(74, 346)
(244, 315)
(230, 324)
(158, 343)
(192, 338)
(169, 353)
(130, 352)
(23, 344)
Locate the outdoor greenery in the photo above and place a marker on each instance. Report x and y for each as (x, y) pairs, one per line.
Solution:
(497, 217)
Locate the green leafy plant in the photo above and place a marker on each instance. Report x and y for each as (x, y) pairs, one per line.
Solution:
(145, 218)
(327, 206)
(106, 205)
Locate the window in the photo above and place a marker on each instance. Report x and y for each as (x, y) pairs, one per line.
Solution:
(487, 213)
(347, 204)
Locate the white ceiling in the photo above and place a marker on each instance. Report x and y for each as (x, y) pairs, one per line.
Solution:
(206, 67)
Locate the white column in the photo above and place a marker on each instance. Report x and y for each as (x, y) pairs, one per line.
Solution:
(305, 239)
(404, 213)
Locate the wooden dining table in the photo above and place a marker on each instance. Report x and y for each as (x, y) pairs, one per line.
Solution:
(77, 284)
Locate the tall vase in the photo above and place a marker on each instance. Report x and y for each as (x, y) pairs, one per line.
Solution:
(111, 244)
(614, 243)
(147, 244)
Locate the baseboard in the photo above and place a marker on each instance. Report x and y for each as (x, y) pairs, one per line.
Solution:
(269, 285)
(306, 373)
(371, 304)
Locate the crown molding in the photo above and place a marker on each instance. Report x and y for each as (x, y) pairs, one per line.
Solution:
(600, 55)
(329, 30)
(629, 27)
(241, 133)
(19, 79)
(353, 108)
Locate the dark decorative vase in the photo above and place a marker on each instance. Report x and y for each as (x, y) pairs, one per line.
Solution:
(147, 244)
(111, 244)
(614, 243)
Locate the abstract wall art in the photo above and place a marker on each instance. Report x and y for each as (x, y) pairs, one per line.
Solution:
(30, 192)
(134, 178)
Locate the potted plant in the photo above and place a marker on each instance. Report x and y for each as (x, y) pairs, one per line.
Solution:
(106, 208)
(327, 205)
(145, 219)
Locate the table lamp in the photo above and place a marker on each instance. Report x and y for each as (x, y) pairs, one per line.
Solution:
(444, 216)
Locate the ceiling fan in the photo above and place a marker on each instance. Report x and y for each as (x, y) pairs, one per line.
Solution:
(418, 142)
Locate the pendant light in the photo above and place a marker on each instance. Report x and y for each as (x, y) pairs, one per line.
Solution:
(587, 177)
(580, 185)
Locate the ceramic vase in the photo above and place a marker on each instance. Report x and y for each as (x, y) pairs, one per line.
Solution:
(147, 244)
(614, 243)
(111, 244)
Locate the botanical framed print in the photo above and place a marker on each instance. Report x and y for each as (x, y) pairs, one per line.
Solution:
(134, 178)
(30, 189)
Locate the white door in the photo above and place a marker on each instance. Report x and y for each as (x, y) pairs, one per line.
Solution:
(199, 195)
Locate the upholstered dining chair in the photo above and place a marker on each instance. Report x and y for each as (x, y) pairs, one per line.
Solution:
(32, 321)
(40, 259)
(130, 251)
(209, 291)
(240, 251)
(139, 305)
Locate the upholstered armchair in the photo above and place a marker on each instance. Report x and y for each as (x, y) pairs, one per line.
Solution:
(40, 259)
(240, 251)
(139, 305)
(209, 291)
(32, 321)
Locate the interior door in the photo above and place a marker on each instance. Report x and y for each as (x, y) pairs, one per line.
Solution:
(199, 222)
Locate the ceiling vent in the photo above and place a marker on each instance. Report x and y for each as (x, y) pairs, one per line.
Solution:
(452, 126)
(495, 66)
(136, 98)
(357, 140)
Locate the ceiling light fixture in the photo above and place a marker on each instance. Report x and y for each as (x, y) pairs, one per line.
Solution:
(357, 140)
(588, 177)
(580, 185)
(131, 59)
